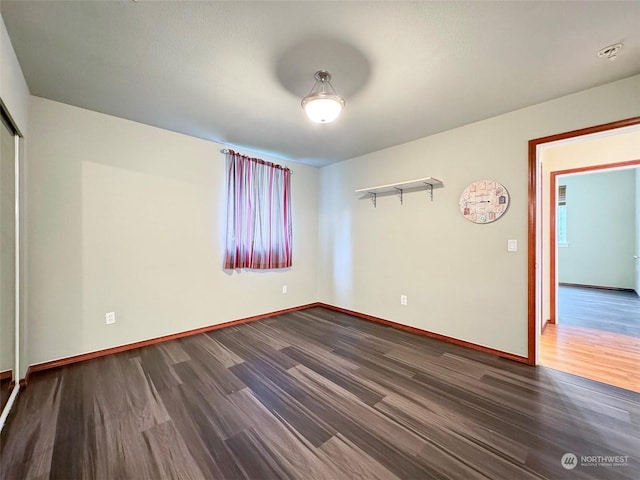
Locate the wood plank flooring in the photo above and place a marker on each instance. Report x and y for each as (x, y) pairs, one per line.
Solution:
(5, 391)
(597, 336)
(315, 395)
(599, 309)
(602, 356)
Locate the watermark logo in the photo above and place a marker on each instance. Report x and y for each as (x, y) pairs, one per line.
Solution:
(569, 461)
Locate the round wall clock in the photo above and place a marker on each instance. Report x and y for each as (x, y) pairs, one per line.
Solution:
(484, 201)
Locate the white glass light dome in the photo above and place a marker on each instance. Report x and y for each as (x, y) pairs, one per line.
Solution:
(323, 109)
(322, 104)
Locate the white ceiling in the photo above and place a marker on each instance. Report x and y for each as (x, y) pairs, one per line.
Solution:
(234, 72)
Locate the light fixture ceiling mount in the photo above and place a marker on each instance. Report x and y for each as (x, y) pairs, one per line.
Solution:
(610, 52)
(322, 104)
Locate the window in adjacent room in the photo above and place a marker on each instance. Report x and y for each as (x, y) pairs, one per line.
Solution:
(258, 214)
(561, 227)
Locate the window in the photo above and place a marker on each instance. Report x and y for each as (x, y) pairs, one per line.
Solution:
(258, 214)
(561, 217)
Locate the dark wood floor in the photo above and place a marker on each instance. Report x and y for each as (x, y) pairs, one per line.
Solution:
(5, 391)
(315, 395)
(607, 310)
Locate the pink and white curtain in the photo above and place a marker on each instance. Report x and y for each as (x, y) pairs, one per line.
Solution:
(258, 214)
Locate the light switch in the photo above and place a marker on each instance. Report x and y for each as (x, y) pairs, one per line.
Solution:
(512, 245)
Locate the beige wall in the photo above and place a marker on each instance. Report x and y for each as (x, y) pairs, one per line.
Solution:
(459, 277)
(598, 149)
(130, 218)
(600, 229)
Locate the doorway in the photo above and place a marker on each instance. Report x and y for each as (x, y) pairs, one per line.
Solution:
(594, 322)
(606, 228)
(539, 262)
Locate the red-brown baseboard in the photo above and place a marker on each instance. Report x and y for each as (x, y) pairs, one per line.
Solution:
(544, 325)
(39, 367)
(425, 333)
(598, 287)
(130, 346)
(6, 374)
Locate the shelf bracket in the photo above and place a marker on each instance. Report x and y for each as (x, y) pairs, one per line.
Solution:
(373, 198)
(429, 188)
(399, 192)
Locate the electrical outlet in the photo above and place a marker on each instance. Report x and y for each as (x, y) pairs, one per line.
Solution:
(284, 289)
(512, 245)
(110, 318)
(403, 299)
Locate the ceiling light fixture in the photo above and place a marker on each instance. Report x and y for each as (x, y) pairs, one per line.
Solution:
(322, 104)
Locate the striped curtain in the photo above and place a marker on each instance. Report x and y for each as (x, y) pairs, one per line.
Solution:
(258, 214)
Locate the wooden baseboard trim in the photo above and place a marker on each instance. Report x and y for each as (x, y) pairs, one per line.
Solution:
(6, 374)
(39, 367)
(598, 287)
(549, 321)
(426, 333)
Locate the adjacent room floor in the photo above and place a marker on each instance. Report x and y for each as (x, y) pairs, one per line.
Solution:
(315, 395)
(597, 336)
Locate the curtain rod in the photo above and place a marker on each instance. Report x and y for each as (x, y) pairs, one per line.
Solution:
(226, 150)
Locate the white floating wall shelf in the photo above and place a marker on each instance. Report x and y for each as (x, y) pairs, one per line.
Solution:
(427, 183)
